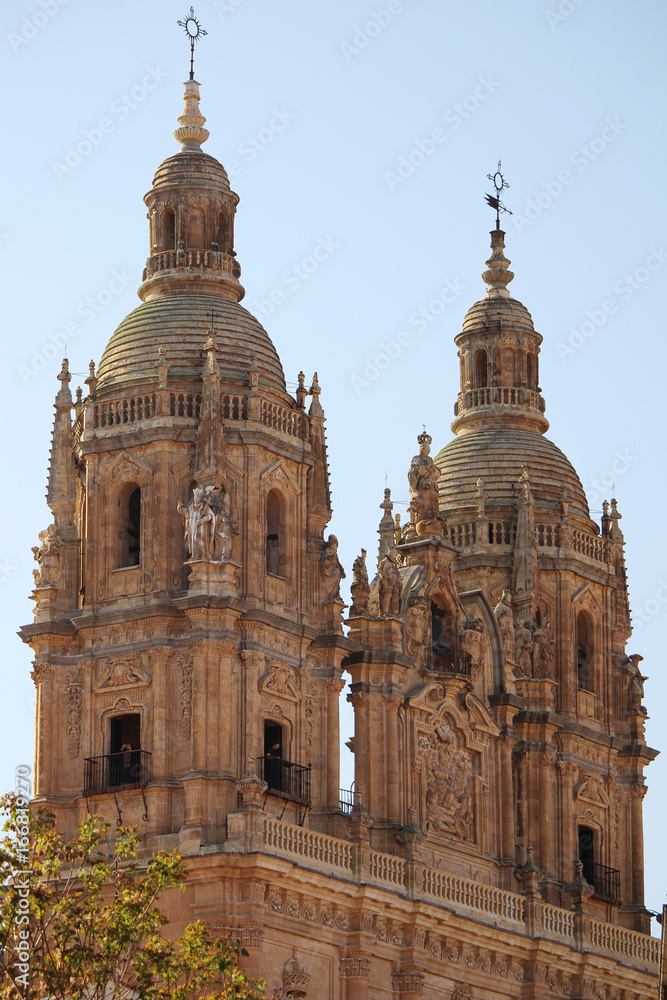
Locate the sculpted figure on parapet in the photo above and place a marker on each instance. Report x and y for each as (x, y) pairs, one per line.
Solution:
(47, 556)
(331, 571)
(390, 583)
(208, 524)
(424, 501)
(360, 588)
(505, 618)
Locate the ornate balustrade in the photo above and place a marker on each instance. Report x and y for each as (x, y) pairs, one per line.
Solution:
(209, 260)
(280, 418)
(548, 535)
(356, 863)
(111, 413)
(591, 546)
(498, 395)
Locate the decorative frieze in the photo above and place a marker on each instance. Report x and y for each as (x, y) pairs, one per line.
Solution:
(355, 965)
(73, 705)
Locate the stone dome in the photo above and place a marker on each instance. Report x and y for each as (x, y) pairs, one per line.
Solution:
(496, 454)
(179, 323)
(192, 165)
(491, 312)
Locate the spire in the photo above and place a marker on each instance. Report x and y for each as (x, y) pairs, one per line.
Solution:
(386, 531)
(497, 276)
(191, 133)
(61, 492)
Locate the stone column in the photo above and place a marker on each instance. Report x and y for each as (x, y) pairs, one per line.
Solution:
(408, 982)
(355, 969)
(45, 751)
(546, 816)
(334, 688)
(637, 793)
(568, 846)
(507, 841)
(392, 758)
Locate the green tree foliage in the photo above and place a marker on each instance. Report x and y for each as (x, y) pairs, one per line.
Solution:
(85, 912)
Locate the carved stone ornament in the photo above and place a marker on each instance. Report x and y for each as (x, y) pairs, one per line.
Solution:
(462, 991)
(331, 571)
(417, 621)
(295, 978)
(360, 588)
(47, 556)
(532, 644)
(408, 980)
(73, 704)
(185, 696)
(424, 500)
(448, 772)
(122, 671)
(390, 584)
(208, 524)
(356, 965)
(280, 681)
(471, 638)
(505, 618)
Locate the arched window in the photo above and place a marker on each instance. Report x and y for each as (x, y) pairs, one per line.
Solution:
(129, 526)
(197, 232)
(480, 374)
(223, 233)
(507, 372)
(585, 667)
(275, 747)
(168, 230)
(531, 371)
(275, 535)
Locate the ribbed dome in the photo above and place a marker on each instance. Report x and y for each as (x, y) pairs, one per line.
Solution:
(178, 323)
(191, 165)
(491, 311)
(496, 454)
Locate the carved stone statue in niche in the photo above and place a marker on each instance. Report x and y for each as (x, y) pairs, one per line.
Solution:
(416, 632)
(505, 618)
(635, 693)
(472, 642)
(331, 571)
(360, 588)
(390, 583)
(542, 653)
(448, 784)
(208, 524)
(523, 644)
(424, 501)
(47, 556)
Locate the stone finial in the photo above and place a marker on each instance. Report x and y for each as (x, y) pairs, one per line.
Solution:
(314, 391)
(497, 276)
(301, 393)
(191, 133)
(579, 888)
(64, 395)
(210, 350)
(295, 977)
(91, 381)
(386, 531)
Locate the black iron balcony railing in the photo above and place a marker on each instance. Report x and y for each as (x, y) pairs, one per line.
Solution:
(447, 662)
(116, 770)
(348, 800)
(606, 882)
(286, 779)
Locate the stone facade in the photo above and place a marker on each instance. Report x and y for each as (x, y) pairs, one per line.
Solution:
(189, 652)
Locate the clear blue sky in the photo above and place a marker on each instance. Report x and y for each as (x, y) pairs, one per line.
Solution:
(370, 127)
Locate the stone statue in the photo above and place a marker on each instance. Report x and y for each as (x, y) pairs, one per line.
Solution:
(472, 642)
(423, 478)
(360, 587)
(542, 654)
(390, 583)
(331, 571)
(47, 556)
(208, 524)
(636, 680)
(416, 632)
(505, 618)
(523, 644)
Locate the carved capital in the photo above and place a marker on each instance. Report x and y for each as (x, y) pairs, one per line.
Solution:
(410, 979)
(355, 965)
(253, 659)
(42, 672)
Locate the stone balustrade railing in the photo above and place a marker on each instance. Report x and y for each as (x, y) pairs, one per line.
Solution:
(497, 907)
(209, 260)
(498, 395)
(502, 533)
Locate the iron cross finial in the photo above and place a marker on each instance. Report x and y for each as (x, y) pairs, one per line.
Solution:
(499, 184)
(193, 29)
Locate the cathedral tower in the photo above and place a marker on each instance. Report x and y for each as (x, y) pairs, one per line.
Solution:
(189, 652)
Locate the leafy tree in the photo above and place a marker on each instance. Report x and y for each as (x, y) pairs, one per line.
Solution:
(85, 912)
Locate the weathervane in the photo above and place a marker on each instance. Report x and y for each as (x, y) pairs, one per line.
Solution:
(194, 31)
(499, 184)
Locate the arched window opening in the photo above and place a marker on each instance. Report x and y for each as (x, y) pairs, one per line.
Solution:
(275, 556)
(273, 755)
(168, 230)
(531, 371)
(129, 530)
(507, 367)
(480, 374)
(587, 853)
(197, 229)
(585, 674)
(223, 233)
(124, 761)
